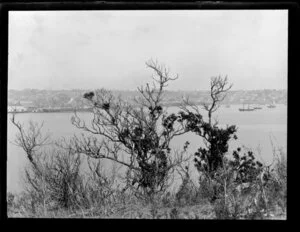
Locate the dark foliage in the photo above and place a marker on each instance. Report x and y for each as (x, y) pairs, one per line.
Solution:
(89, 95)
(246, 167)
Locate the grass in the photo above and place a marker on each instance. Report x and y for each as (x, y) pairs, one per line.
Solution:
(129, 211)
(136, 210)
(19, 206)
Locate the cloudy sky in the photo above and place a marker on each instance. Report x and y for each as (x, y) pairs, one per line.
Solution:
(95, 49)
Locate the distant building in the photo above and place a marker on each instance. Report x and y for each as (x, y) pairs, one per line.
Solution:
(37, 110)
(28, 105)
(21, 106)
(11, 109)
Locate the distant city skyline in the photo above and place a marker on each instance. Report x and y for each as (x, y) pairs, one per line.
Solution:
(108, 49)
(136, 89)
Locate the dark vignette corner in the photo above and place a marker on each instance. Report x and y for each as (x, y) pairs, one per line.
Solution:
(293, 48)
(3, 109)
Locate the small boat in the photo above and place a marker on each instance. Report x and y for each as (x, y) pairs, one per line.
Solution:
(271, 105)
(246, 109)
(257, 107)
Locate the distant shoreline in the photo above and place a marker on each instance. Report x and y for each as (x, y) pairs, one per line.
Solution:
(91, 109)
(52, 111)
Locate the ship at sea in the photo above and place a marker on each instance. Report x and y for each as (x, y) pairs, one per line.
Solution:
(271, 105)
(246, 109)
(257, 107)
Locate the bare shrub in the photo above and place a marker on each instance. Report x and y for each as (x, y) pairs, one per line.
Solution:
(100, 187)
(276, 186)
(187, 192)
(141, 132)
(52, 178)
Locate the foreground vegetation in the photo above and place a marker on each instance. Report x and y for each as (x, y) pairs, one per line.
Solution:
(190, 201)
(70, 179)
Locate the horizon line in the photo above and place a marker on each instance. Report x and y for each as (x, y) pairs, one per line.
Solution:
(133, 90)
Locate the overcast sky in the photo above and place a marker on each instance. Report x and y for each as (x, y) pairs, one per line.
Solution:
(108, 49)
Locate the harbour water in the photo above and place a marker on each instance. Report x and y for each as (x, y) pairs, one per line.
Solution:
(256, 130)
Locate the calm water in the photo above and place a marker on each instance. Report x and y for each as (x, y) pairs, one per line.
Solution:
(255, 129)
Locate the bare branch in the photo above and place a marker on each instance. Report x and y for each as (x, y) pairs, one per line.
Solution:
(31, 140)
(121, 130)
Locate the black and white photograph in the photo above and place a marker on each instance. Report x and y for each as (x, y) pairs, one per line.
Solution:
(147, 114)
